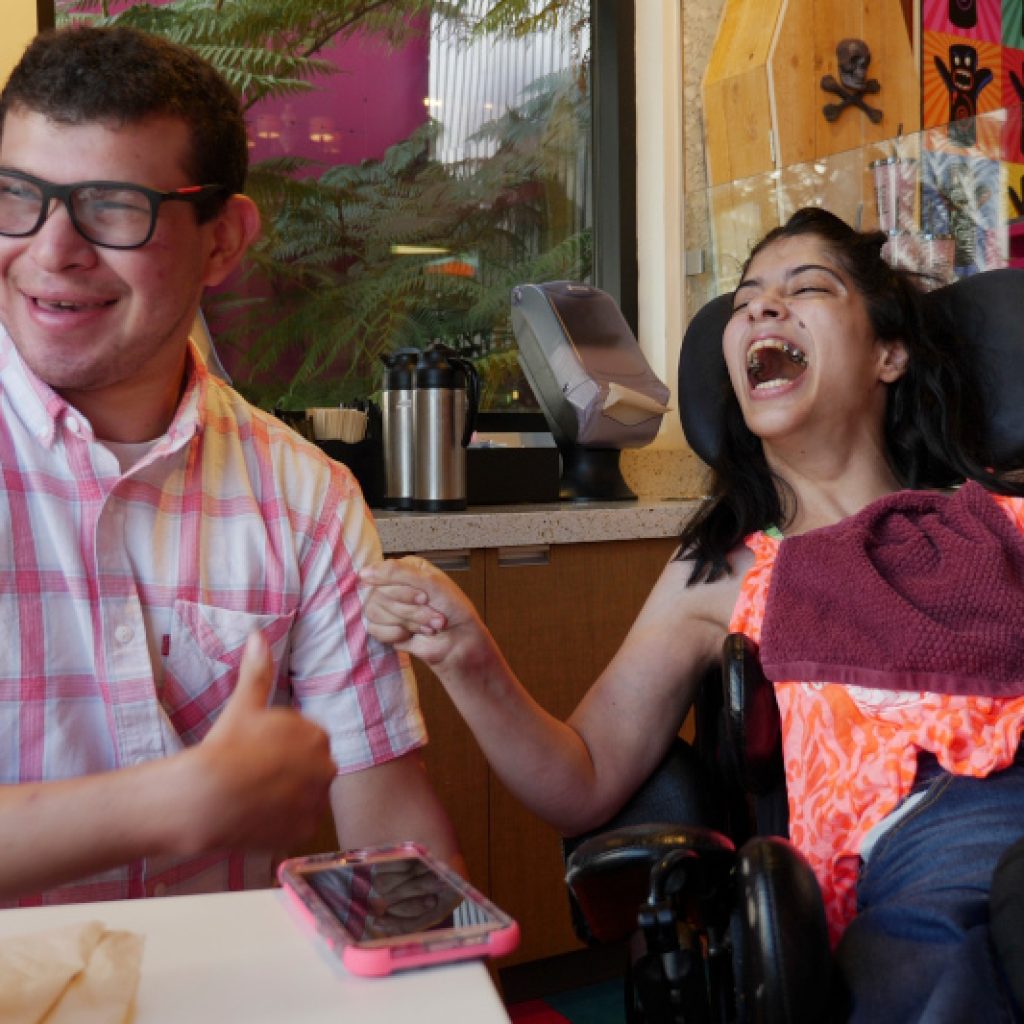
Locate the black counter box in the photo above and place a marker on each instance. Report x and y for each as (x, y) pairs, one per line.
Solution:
(511, 476)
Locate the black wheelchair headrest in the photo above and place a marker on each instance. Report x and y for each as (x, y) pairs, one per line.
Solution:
(987, 311)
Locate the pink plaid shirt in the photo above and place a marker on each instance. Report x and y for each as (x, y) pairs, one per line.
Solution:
(126, 599)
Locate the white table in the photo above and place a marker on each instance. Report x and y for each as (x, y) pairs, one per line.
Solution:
(247, 957)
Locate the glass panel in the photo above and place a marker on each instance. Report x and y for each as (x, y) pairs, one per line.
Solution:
(413, 162)
(949, 209)
(448, 166)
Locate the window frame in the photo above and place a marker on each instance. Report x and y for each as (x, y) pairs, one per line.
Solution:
(613, 100)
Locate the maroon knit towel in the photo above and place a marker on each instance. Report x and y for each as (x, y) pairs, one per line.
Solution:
(917, 591)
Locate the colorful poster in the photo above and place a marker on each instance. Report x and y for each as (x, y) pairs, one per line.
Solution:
(1014, 191)
(969, 19)
(1013, 96)
(961, 80)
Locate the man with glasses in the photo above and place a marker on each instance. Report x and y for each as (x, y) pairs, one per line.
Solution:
(171, 559)
(113, 214)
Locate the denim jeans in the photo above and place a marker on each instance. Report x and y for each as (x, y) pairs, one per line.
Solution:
(919, 950)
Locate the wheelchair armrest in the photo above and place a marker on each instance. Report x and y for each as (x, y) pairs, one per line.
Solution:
(752, 726)
(673, 793)
(610, 874)
(739, 737)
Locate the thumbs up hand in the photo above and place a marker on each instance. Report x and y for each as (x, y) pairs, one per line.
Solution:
(260, 777)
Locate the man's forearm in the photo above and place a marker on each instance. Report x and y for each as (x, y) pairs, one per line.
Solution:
(258, 779)
(55, 832)
(390, 803)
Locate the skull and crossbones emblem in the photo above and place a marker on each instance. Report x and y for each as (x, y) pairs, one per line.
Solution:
(853, 57)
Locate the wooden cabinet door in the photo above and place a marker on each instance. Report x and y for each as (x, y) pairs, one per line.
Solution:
(558, 623)
(454, 762)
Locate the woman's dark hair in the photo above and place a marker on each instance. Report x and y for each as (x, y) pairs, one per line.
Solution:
(120, 75)
(933, 418)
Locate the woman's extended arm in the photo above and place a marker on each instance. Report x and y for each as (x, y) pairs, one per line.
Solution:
(574, 774)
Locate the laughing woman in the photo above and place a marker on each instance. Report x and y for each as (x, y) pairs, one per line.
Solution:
(850, 409)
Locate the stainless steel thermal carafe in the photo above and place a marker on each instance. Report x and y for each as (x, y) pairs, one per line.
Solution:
(398, 427)
(445, 401)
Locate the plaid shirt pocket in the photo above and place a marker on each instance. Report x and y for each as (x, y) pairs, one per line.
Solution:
(201, 658)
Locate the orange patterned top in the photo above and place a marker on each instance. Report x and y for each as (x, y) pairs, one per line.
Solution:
(851, 752)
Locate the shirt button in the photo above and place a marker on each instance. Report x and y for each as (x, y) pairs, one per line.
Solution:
(123, 634)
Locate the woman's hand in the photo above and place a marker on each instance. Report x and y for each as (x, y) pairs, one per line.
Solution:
(415, 607)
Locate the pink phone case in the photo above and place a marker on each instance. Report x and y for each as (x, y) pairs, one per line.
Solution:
(381, 957)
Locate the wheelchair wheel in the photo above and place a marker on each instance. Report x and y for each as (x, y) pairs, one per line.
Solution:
(782, 963)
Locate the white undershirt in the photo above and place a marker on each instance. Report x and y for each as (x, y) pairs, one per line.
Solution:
(128, 453)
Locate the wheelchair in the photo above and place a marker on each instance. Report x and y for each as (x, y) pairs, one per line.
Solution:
(722, 917)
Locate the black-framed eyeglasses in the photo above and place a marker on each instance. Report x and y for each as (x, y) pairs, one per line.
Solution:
(112, 214)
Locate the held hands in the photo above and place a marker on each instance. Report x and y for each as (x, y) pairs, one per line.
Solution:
(415, 607)
(260, 777)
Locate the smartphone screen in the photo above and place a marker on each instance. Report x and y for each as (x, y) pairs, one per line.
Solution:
(389, 898)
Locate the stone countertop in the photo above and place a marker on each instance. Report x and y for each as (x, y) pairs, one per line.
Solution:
(493, 526)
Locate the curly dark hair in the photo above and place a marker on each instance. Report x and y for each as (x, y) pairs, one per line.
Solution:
(933, 418)
(120, 76)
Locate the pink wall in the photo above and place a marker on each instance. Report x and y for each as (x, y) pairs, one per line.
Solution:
(374, 101)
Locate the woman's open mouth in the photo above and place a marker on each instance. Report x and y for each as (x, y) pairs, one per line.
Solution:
(772, 362)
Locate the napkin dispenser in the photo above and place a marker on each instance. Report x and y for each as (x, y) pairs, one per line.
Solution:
(591, 380)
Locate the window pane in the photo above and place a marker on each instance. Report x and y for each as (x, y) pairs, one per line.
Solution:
(440, 157)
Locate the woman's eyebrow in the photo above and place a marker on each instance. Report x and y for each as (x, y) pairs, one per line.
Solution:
(813, 266)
